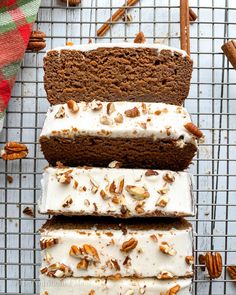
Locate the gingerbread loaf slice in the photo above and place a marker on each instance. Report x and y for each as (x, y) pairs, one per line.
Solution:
(111, 248)
(99, 286)
(116, 192)
(117, 72)
(139, 135)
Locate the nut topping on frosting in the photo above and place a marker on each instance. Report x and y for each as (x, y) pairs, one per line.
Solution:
(95, 186)
(139, 207)
(169, 177)
(96, 105)
(173, 291)
(129, 245)
(164, 275)
(64, 177)
(106, 121)
(83, 264)
(87, 252)
(72, 106)
(61, 113)
(162, 201)
(92, 292)
(119, 118)
(48, 257)
(48, 242)
(67, 202)
(137, 192)
(57, 270)
(189, 260)
(154, 238)
(163, 191)
(150, 172)
(132, 113)
(110, 108)
(115, 164)
(129, 292)
(115, 264)
(167, 249)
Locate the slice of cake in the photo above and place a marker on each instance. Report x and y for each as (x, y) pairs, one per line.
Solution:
(116, 192)
(108, 248)
(118, 71)
(139, 135)
(97, 286)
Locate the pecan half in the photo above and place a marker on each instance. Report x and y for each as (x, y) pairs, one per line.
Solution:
(48, 242)
(36, 41)
(129, 245)
(14, 150)
(232, 271)
(132, 113)
(214, 264)
(72, 2)
(72, 106)
(193, 129)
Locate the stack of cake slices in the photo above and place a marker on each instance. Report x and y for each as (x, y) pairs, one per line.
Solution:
(118, 141)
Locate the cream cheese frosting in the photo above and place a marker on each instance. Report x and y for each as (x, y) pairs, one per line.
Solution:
(136, 253)
(96, 286)
(94, 46)
(107, 191)
(119, 120)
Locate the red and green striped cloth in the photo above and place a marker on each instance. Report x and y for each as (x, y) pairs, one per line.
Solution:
(16, 21)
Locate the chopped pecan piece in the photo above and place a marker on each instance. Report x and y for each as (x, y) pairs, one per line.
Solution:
(162, 201)
(173, 291)
(137, 192)
(67, 202)
(169, 177)
(202, 261)
(115, 164)
(119, 118)
(73, 106)
(193, 129)
(189, 260)
(57, 270)
(96, 105)
(167, 249)
(110, 108)
(214, 264)
(150, 172)
(83, 264)
(132, 113)
(64, 177)
(14, 150)
(232, 271)
(60, 113)
(106, 121)
(115, 264)
(164, 275)
(48, 242)
(129, 245)
(92, 292)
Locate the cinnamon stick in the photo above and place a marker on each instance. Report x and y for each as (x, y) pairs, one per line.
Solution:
(115, 17)
(192, 15)
(229, 49)
(184, 26)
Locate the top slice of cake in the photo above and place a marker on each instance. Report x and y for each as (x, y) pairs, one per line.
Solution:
(117, 72)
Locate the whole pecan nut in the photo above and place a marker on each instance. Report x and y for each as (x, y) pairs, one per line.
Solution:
(193, 129)
(36, 41)
(232, 271)
(14, 150)
(214, 264)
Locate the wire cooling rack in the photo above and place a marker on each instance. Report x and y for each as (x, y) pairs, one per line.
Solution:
(212, 103)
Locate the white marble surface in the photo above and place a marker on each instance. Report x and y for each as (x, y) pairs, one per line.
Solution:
(214, 171)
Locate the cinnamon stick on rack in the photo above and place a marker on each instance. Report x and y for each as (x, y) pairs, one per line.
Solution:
(229, 49)
(184, 26)
(115, 17)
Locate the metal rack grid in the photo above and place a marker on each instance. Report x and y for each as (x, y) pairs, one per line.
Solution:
(211, 102)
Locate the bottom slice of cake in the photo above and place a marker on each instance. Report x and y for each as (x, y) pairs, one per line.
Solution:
(101, 247)
(96, 286)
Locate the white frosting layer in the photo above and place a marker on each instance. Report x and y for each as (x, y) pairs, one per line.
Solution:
(157, 120)
(94, 46)
(87, 200)
(70, 286)
(145, 259)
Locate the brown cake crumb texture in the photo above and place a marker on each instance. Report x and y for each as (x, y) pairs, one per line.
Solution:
(132, 153)
(117, 74)
(84, 222)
